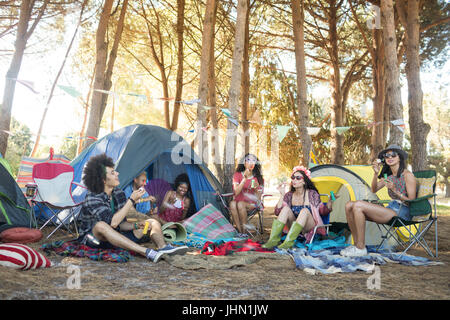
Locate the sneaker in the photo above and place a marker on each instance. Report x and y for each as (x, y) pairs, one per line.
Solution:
(242, 235)
(353, 251)
(153, 255)
(170, 249)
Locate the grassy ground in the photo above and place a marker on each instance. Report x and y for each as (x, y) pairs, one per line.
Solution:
(443, 210)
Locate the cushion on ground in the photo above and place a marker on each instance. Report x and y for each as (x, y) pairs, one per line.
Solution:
(21, 235)
(20, 256)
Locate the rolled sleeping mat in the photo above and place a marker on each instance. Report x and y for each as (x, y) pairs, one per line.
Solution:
(173, 232)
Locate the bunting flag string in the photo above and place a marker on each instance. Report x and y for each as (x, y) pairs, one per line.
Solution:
(81, 138)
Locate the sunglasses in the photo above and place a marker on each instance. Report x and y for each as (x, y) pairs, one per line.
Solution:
(390, 155)
(296, 177)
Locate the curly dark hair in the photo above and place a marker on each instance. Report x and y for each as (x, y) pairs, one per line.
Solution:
(180, 179)
(257, 171)
(95, 172)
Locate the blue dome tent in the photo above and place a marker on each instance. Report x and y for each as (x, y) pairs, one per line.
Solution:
(163, 154)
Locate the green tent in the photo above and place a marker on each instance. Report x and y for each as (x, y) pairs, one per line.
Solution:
(14, 208)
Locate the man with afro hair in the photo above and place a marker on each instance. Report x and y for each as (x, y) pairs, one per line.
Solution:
(103, 214)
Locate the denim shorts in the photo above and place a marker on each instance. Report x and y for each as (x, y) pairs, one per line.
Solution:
(296, 209)
(404, 210)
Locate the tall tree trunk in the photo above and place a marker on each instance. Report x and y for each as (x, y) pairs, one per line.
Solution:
(95, 114)
(234, 94)
(302, 104)
(378, 143)
(393, 100)
(22, 36)
(245, 85)
(180, 59)
(420, 129)
(215, 147)
(41, 125)
(206, 56)
(82, 135)
(113, 55)
(337, 115)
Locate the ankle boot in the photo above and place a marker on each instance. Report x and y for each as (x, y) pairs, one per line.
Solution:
(275, 234)
(292, 235)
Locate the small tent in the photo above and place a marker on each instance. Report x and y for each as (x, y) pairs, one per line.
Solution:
(349, 183)
(14, 208)
(163, 154)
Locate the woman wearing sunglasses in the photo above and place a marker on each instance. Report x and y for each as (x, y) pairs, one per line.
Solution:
(248, 184)
(300, 208)
(401, 185)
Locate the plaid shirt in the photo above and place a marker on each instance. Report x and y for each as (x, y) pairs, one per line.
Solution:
(97, 207)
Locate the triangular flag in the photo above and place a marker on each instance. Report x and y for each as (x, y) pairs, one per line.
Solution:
(398, 122)
(191, 102)
(226, 112)
(341, 130)
(282, 132)
(70, 90)
(28, 84)
(234, 121)
(256, 117)
(312, 131)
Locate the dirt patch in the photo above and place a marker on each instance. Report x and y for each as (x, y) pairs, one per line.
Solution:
(263, 279)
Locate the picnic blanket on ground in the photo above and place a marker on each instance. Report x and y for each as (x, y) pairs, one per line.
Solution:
(210, 223)
(226, 248)
(197, 240)
(74, 248)
(329, 261)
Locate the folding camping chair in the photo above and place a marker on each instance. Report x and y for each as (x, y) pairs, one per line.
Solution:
(326, 225)
(256, 213)
(53, 183)
(424, 214)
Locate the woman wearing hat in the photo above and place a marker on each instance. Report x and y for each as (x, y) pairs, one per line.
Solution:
(401, 185)
(300, 208)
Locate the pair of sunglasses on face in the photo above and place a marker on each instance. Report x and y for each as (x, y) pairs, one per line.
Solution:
(296, 178)
(392, 154)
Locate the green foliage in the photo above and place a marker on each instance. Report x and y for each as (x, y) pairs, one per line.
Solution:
(434, 42)
(19, 145)
(69, 146)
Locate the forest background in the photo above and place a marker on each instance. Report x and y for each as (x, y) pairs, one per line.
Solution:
(342, 79)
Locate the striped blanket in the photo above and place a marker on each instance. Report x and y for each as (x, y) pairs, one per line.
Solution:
(210, 223)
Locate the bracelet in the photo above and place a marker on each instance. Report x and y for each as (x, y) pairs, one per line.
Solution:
(134, 202)
(135, 226)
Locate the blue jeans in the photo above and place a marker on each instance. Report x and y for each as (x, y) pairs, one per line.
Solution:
(401, 210)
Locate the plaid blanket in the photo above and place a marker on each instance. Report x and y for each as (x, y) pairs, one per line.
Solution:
(210, 223)
(74, 248)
